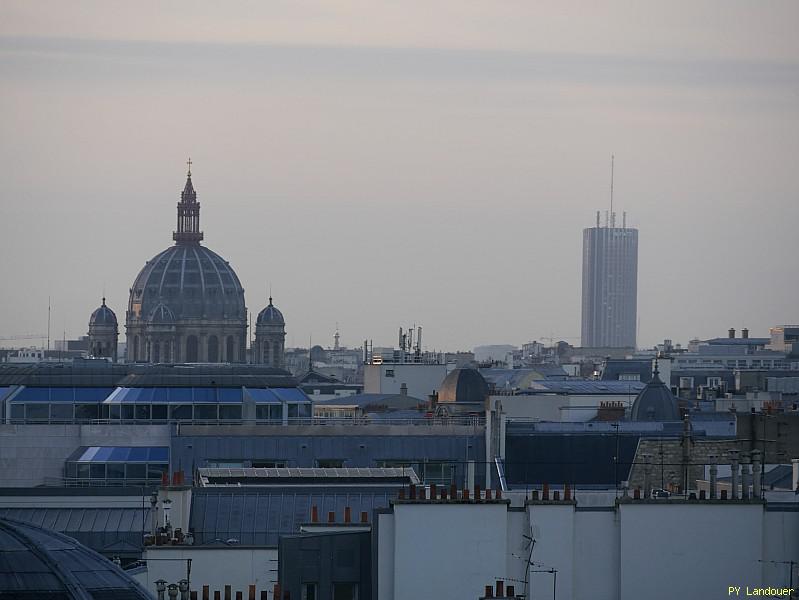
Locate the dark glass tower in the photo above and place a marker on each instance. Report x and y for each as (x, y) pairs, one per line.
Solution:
(610, 286)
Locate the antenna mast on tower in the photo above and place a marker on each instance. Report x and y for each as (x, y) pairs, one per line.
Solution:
(612, 216)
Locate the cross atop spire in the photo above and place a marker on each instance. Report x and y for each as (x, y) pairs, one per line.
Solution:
(188, 162)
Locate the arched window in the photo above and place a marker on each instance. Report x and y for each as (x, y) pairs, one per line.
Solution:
(135, 348)
(213, 349)
(230, 350)
(276, 354)
(192, 347)
(156, 352)
(266, 359)
(167, 352)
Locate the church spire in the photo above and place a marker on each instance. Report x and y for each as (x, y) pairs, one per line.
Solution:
(188, 231)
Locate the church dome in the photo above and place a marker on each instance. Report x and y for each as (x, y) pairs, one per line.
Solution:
(270, 315)
(187, 280)
(103, 316)
(655, 402)
(192, 281)
(38, 563)
(463, 385)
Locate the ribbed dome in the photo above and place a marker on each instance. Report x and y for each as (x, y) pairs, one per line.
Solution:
(463, 385)
(192, 281)
(37, 563)
(103, 316)
(655, 402)
(270, 315)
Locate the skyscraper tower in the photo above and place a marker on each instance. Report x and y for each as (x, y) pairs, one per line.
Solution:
(610, 282)
(610, 285)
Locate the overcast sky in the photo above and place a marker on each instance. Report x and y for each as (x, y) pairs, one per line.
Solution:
(382, 164)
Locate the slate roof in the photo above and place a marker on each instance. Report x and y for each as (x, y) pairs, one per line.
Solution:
(258, 517)
(613, 368)
(576, 459)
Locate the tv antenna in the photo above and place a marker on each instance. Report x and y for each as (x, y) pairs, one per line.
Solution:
(612, 216)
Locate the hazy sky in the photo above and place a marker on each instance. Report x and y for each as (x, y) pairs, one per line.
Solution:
(390, 163)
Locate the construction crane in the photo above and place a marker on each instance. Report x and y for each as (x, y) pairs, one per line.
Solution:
(26, 336)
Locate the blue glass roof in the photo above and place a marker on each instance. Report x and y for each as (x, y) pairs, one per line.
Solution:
(175, 395)
(143, 454)
(63, 394)
(291, 394)
(263, 396)
(277, 395)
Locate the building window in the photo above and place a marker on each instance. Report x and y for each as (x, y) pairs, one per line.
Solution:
(345, 591)
(115, 473)
(37, 412)
(309, 591)
(686, 383)
(192, 347)
(180, 411)
(629, 377)
(268, 464)
(714, 382)
(329, 463)
(213, 349)
(271, 412)
(230, 413)
(395, 464)
(135, 472)
(441, 473)
(18, 412)
(389, 372)
(205, 412)
(224, 464)
(61, 412)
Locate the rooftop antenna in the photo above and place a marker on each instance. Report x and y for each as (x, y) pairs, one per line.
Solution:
(48, 323)
(612, 216)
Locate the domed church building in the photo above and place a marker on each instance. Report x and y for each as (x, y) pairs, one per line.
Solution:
(270, 337)
(187, 303)
(103, 333)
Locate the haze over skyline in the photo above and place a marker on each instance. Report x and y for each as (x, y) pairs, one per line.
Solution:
(383, 165)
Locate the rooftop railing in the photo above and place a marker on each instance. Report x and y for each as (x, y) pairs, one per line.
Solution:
(470, 420)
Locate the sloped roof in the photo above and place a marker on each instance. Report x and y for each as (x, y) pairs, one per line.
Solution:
(259, 516)
(37, 563)
(97, 528)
